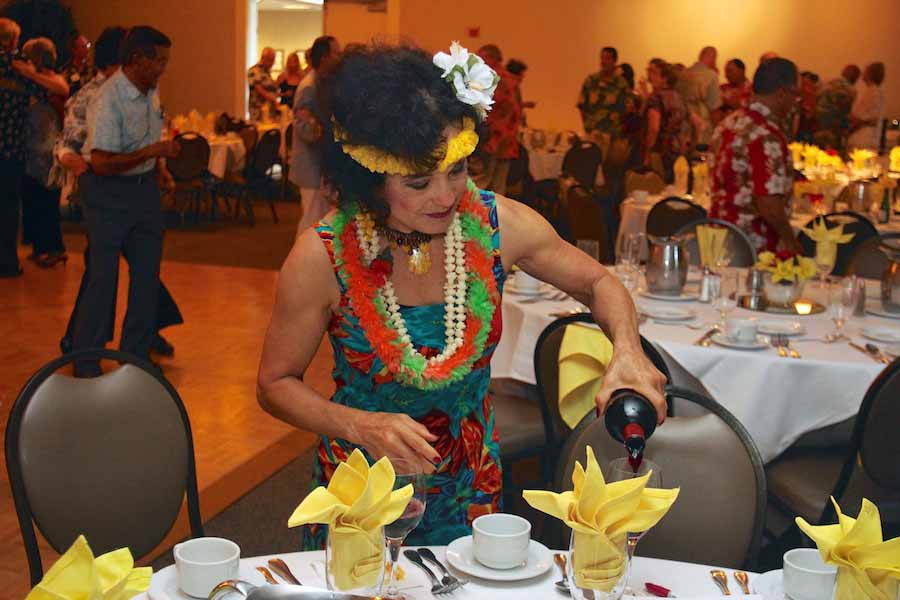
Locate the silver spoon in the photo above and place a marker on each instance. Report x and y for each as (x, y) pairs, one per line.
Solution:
(875, 351)
(563, 584)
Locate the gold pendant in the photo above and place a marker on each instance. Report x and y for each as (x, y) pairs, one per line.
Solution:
(419, 259)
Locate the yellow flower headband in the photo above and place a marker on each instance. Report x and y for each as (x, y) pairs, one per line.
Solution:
(378, 161)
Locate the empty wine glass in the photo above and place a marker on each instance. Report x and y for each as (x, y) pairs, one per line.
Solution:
(406, 472)
(841, 300)
(620, 470)
(724, 296)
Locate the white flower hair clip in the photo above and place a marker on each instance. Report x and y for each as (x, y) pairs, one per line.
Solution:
(473, 81)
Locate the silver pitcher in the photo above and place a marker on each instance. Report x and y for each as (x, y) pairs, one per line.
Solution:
(667, 265)
(890, 280)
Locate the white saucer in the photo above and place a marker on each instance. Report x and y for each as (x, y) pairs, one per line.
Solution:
(773, 327)
(769, 585)
(720, 339)
(668, 313)
(878, 310)
(682, 297)
(461, 557)
(889, 335)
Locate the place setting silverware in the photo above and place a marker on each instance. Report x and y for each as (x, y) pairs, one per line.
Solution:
(706, 339)
(563, 584)
(873, 355)
(721, 580)
(267, 575)
(448, 578)
(282, 570)
(438, 587)
(876, 352)
(743, 581)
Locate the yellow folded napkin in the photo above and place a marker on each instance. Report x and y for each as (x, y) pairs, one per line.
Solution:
(861, 158)
(895, 158)
(600, 516)
(584, 354)
(711, 242)
(827, 240)
(868, 566)
(681, 169)
(701, 177)
(796, 149)
(358, 502)
(77, 575)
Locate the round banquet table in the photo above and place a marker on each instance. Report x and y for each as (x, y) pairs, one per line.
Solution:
(777, 399)
(633, 216)
(545, 164)
(226, 153)
(686, 580)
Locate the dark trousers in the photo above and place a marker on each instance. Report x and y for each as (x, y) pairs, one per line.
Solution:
(123, 217)
(42, 206)
(167, 312)
(11, 172)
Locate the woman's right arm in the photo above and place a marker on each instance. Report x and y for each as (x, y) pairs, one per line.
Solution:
(306, 296)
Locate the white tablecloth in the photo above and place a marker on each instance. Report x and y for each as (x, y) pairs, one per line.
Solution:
(777, 399)
(226, 153)
(684, 579)
(545, 164)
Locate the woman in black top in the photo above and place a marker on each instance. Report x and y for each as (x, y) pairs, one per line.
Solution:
(290, 78)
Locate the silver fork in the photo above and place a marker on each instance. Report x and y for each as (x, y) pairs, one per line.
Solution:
(448, 579)
(437, 587)
(775, 342)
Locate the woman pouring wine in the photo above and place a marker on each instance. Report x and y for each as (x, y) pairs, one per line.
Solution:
(406, 277)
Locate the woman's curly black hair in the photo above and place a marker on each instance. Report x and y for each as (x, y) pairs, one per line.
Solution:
(395, 99)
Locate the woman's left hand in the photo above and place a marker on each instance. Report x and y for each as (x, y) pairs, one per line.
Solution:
(631, 369)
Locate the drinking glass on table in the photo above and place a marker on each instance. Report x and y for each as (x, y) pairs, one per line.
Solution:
(628, 259)
(724, 295)
(406, 472)
(826, 255)
(842, 296)
(620, 470)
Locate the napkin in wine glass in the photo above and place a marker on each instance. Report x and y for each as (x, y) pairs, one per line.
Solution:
(358, 502)
(868, 566)
(601, 515)
(77, 575)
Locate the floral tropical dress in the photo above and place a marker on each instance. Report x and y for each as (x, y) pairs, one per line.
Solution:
(467, 482)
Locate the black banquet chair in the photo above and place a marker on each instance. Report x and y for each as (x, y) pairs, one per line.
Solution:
(671, 214)
(719, 514)
(111, 457)
(853, 223)
(869, 259)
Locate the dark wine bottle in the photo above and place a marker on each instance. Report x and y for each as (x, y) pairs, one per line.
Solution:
(631, 419)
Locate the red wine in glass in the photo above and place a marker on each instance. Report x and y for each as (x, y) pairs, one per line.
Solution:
(408, 521)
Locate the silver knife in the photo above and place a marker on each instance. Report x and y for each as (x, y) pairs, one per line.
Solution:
(281, 592)
(702, 340)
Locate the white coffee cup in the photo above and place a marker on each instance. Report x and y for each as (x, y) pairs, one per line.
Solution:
(526, 283)
(741, 330)
(204, 563)
(640, 196)
(500, 541)
(806, 576)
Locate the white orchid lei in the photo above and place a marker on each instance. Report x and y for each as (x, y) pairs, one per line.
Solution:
(473, 81)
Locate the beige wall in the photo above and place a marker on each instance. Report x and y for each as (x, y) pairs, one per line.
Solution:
(207, 68)
(560, 40)
(354, 23)
(288, 30)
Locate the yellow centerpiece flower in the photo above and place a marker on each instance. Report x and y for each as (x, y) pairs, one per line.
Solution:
(358, 502)
(868, 566)
(601, 515)
(862, 158)
(895, 159)
(786, 266)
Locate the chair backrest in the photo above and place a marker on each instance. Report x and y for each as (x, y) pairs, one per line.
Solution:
(193, 159)
(853, 223)
(737, 243)
(110, 457)
(582, 161)
(266, 154)
(249, 135)
(648, 181)
(870, 469)
(868, 259)
(588, 220)
(546, 369)
(718, 516)
(671, 214)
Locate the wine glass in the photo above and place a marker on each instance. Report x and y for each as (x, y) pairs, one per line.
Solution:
(406, 472)
(842, 300)
(724, 296)
(622, 469)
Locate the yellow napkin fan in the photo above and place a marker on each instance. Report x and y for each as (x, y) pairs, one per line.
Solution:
(601, 515)
(358, 502)
(711, 242)
(584, 354)
(868, 567)
(827, 240)
(77, 575)
(861, 158)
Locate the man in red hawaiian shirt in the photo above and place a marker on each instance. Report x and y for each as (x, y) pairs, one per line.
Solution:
(503, 123)
(752, 175)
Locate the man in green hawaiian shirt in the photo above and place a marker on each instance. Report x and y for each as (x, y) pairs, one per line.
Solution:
(833, 109)
(602, 100)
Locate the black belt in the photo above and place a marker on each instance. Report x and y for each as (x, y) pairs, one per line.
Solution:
(140, 178)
